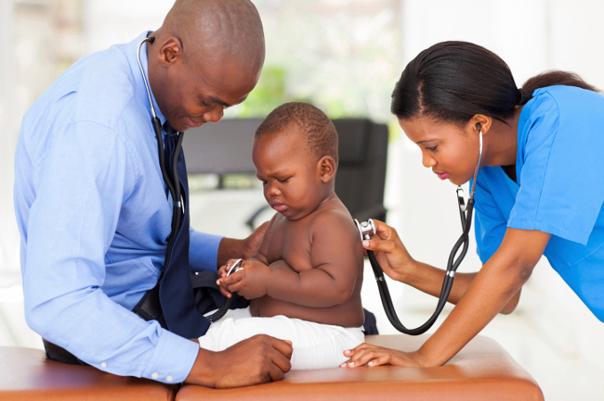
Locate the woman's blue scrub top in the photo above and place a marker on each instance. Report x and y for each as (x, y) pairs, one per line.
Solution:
(559, 188)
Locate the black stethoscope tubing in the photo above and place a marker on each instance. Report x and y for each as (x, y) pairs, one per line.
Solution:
(456, 256)
(172, 182)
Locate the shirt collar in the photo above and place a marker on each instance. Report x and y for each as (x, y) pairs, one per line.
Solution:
(140, 89)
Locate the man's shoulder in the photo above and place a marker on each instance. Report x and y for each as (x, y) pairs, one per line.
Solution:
(106, 87)
(97, 88)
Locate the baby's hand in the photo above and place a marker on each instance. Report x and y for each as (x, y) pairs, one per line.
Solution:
(250, 281)
(223, 273)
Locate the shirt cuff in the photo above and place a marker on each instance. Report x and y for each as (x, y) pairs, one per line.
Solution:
(172, 360)
(203, 250)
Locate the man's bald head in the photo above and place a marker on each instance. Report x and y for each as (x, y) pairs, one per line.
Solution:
(219, 29)
(206, 57)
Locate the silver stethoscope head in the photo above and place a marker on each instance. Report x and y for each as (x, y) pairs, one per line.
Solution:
(149, 39)
(235, 266)
(366, 228)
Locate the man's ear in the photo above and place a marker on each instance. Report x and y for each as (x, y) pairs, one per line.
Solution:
(327, 168)
(170, 50)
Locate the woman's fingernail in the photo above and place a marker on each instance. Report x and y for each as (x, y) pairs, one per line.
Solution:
(371, 363)
(351, 364)
(365, 243)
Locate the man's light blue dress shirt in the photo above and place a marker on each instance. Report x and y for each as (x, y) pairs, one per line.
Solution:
(559, 188)
(94, 216)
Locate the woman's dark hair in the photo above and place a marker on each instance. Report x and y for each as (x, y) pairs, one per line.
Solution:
(453, 81)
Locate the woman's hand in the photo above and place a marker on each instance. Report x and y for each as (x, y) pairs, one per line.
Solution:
(390, 252)
(374, 355)
(249, 280)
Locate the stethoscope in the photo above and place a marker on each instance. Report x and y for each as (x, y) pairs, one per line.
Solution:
(172, 181)
(367, 230)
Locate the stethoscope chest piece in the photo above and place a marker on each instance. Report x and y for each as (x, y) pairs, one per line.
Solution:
(366, 228)
(235, 266)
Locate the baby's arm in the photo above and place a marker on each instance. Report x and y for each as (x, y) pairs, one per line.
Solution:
(336, 257)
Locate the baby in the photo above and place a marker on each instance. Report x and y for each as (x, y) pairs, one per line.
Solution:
(304, 285)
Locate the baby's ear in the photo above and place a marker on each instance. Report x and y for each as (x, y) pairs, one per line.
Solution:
(327, 168)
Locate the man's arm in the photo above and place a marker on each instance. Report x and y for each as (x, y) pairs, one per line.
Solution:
(83, 179)
(231, 248)
(203, 250)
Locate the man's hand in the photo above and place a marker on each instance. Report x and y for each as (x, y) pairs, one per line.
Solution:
(222, 274)
(253, 241)
(258, 359)
(231, 248)
(249, 281)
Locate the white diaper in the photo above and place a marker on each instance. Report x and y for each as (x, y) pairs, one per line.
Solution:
(315, 345)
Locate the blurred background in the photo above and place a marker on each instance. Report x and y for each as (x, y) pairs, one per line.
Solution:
(344, 56)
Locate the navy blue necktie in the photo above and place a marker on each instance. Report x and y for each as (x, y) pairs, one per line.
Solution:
(175, 287)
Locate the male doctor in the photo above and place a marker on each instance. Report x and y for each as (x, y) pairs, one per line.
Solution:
(95, 210)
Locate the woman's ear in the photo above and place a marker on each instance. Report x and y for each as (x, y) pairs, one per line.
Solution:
(481, 123)
(326, 167)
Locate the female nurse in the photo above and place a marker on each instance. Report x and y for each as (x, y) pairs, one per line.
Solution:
(539, 188)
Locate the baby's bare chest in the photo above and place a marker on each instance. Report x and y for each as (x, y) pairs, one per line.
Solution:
(292, 243)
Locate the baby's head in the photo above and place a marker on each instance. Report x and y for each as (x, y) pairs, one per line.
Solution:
(296, 158)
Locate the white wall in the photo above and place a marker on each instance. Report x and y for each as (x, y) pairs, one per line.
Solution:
(8, 230)
(128, 20)
(557, 338)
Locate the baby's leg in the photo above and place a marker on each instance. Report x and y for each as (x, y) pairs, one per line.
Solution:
(315, 345)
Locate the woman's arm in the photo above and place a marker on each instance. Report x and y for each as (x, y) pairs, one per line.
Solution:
(429, 279)
(500, 279)
(489, 292)
(397, 263)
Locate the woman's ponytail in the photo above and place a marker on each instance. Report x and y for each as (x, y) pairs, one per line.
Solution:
(551, 78)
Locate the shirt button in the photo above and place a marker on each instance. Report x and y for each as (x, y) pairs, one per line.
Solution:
(154, 375)
(169, 379)
(103, 365)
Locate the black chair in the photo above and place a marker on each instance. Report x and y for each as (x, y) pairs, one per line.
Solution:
(225, 148)
(363, 150)
(221, 148)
